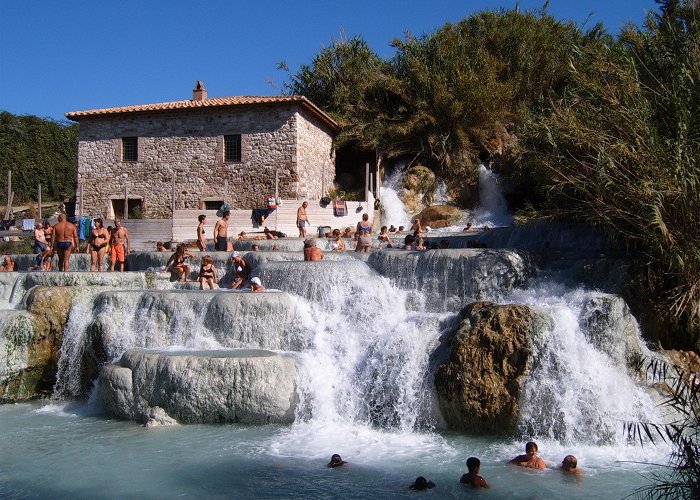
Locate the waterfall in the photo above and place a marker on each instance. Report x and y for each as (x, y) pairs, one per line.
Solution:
(577, 393)
(70, 374)
(361, 336)
(393, 210)
(440, 196)
(493, 209)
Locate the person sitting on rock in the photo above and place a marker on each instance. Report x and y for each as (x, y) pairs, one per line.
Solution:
(338, 245)
(7, 264)
(256, 285)
(207, 273)
(472, 477)
(311, 251)
(240, 268)
(336, 461)
(530, 458)
(180, 267)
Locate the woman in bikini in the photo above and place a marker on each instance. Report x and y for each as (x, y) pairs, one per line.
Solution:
(201, 240)
(97, 243)
(364, 235)
(207, 273)
(178, 261)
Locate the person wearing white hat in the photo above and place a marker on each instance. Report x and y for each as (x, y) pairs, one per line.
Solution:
(256, 285)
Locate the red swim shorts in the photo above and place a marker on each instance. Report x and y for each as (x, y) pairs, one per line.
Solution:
(116, 252)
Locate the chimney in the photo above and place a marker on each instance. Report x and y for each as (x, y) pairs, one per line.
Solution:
(199, 93)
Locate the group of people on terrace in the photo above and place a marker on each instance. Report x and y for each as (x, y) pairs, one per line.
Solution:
(61, 240)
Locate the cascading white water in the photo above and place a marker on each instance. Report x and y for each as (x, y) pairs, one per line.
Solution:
(440, 195)
(576, 393)
(364, 339)
(393, 210)
(493, 209)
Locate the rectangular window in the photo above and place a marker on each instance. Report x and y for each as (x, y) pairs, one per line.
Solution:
(130, 148)
(232, 148)
(213, 204)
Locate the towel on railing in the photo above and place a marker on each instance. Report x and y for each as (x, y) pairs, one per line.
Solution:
(340, 208)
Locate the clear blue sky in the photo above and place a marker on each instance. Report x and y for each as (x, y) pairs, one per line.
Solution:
(69, 55)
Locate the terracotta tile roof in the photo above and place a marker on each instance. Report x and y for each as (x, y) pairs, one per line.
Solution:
(207, 103)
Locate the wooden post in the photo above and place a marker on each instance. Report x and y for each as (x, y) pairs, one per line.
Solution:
(38, 196)
(174, 187)
(126, 199)
(172, 220)
(8, 206)
(367, 182)
(277, 185)
(81, 199)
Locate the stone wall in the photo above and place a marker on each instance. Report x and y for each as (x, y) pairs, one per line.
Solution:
(187, 145)
(317, 154)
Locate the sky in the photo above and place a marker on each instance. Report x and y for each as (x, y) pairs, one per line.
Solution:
(58, 56)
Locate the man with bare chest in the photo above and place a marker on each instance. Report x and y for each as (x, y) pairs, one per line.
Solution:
(64, 239)
(119, 243)
(302, 219)
(221, 232)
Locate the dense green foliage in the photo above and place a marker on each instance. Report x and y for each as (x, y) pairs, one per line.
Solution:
(620, 148)
(37, 150)
(445, 97)
(681, 477)
(586, 127)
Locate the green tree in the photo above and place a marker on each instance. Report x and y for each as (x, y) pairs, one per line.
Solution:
(337, 76)
(621, 149)
(38, 150)
(460, 91)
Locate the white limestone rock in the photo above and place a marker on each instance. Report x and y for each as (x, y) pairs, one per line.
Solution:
(246, 386)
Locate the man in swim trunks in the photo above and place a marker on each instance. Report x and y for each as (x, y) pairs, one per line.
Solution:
(221, 232)
(40, 243)
(302, 219)
(120, 239)
(65, 238)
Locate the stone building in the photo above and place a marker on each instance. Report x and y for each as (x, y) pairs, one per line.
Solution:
(201, 152)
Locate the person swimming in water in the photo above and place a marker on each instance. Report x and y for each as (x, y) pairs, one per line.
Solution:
(422, 483)
(336, 461)
(472, 477)
(530, 458)
(570, 465)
